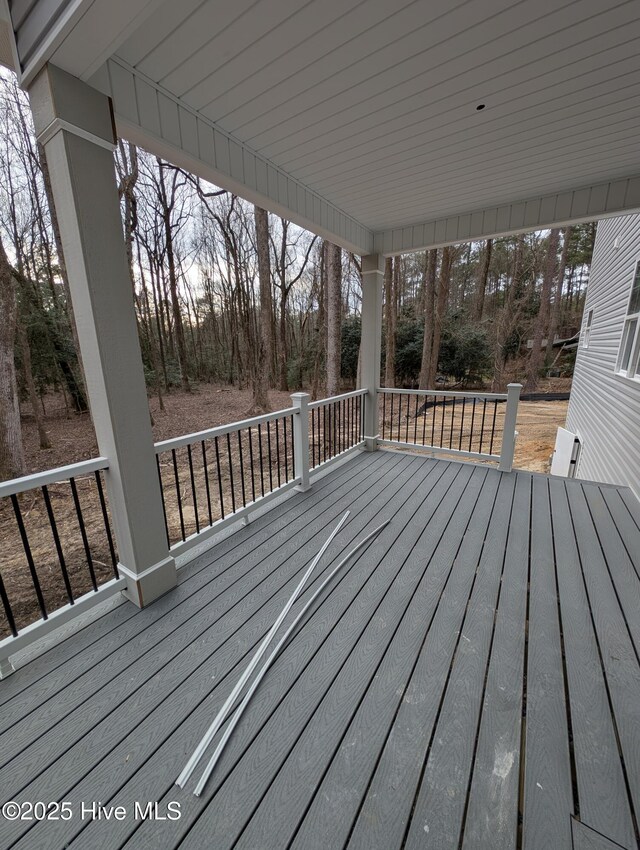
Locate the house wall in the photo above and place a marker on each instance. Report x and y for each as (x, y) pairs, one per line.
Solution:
(604, 408)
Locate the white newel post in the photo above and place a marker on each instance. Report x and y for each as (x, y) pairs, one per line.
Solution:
(371, 345)
(301, 439)
(74, 122)
(509, 433)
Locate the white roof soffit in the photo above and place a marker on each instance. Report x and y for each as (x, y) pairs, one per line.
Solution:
(359, 117)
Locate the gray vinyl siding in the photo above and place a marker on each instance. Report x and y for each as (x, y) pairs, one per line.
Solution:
(604, 409)
(31, 21)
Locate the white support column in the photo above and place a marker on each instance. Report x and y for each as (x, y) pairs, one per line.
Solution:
(74, 122)
(371, 345)
(509, 432)
(301, 439)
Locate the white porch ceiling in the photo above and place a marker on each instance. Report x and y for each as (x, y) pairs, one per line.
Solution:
(365, 110)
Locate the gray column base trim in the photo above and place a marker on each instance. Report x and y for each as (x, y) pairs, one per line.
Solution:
(371, 443)
(59, 124)
(143, 588)
(6, 668)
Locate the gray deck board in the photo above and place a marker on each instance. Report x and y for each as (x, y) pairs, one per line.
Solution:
(600, 778)
(440, 801)
(168, 699)
(491, 819)
(425, 689)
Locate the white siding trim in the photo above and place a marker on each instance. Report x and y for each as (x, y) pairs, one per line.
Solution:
(156, 120)
(586, 203)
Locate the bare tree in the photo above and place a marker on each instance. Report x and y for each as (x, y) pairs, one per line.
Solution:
(557, 298)
(483, 274)
(430, 268)
(264, 352)
(334, 317)
(542, 320)
(12, 463)
(390, 309)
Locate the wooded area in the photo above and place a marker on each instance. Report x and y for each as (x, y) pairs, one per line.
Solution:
(225, 292)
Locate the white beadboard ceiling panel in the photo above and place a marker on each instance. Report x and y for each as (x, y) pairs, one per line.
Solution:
(362, 113)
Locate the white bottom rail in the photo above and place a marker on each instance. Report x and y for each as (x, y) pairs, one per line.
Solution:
(30, 634)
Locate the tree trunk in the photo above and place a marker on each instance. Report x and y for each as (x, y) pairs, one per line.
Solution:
(506, 321)
(542, 319)
(263, 356)
(431, 262)
(74, 377)
(483, 274)
(334, 317)
(441, 310)
(556, 307)
(390, 323)
(12, 462)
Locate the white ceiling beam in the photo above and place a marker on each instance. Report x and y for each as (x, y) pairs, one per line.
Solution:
(159, 122)
(81, 38)
(585, 203)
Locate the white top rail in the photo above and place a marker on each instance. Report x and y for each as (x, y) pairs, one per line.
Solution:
(223, 430)
(389, 390)
(52, 476)
(321, 402)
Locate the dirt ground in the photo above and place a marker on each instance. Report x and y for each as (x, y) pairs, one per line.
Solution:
(73, 440)
(538, 422)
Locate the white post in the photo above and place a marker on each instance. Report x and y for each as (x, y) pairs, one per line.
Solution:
(371, 344)
(301, 439)
(509, 433)
(74, 122)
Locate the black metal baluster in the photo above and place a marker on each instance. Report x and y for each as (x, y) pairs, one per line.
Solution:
(384, 412)
(269, 455)
(284, 445)
(261, 458)
(399, 416)
(56, 540)
(244, 495)
(415, 423)
(434, 409)
(107, 526)
(330, 441)
(313, 440)
(27, 551)
(83, 532)
(424, 420)
(444, 405)
(233, 494)
(484, 410)
(177, 480)
(493, 424)
(164, 507)
(324, 431)
(473, 417)
(278, 452)
(391, 418)
(253, 474)
(7, 608)
(408, 417)
(453, 413)
(219, 473)
(193, 488)
(205, 469)
(464, 402)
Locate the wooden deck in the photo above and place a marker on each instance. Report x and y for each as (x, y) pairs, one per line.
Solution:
(471, 680)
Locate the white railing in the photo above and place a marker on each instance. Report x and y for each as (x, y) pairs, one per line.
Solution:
(475, 425)
(212, 478)
(217, 476)
(57, 545)
(336, 427)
